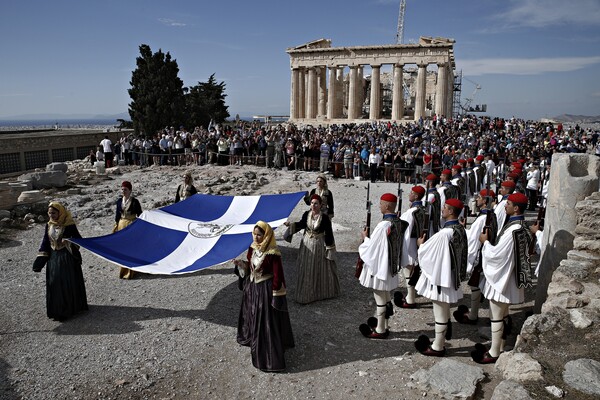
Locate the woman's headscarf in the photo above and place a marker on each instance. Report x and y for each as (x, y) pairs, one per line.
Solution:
(64, 217)
(268, 245)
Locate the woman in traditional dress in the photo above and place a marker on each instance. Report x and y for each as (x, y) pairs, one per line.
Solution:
(264, 322)
(317, 277)
(128, 209)
(326, 196)
(186, 189)
(65, 288)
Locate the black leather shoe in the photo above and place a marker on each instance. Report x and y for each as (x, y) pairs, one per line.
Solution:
(434, 353)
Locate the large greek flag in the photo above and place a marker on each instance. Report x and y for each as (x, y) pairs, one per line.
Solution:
(197, 233)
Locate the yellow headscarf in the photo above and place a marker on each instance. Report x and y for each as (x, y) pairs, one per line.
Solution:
(268, 245)
(64, 217)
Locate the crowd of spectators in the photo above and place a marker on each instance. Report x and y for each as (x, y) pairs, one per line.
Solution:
(401, 152)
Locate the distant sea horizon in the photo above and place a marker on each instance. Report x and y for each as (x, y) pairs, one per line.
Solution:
(75, 123)
(84, 123)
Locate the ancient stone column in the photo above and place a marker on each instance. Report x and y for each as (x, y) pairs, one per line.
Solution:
(311, 109)
(339, 100)
(295, 94)
(450, 89)
(573, 178)
(360, 91)
(375, 101)
(301, 93)
(421, 92)
(322, 75)
(332, 93)
(441, 90)
(352, 100)
(398, 93)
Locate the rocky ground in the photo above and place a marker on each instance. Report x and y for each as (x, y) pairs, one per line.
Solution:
(164, 337)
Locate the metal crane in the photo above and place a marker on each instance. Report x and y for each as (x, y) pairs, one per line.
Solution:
(466, 106)
(400, 31)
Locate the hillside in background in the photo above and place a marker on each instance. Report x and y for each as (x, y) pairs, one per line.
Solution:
(577, 118)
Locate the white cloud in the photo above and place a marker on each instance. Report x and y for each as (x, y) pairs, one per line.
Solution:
(525, 66)
(170, 22)
(544, 13)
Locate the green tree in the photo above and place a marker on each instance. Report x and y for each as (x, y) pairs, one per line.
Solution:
(125, 124)
(157, 95)
(206, 102)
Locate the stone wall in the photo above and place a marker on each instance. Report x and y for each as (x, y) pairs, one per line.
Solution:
(564, 336)
(573, 178)
(27, 151)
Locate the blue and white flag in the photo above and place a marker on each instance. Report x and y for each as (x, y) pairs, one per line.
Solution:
(199, 232)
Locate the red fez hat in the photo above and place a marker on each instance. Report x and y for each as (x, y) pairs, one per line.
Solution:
(392, 198)
(518, 198)
(479, 158)
(514, 175)
(509, 184)
(518, 171)
(462, 161)
(456, 203)
(457, 167)
(420, 190)
(484, 193)
(432, 177)
(126, 184)
(470, 160)
(316, 197)
(446, 172)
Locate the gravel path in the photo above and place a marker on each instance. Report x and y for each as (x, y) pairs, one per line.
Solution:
(163, 337)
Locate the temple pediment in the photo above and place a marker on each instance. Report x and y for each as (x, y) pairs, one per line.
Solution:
(315, 44)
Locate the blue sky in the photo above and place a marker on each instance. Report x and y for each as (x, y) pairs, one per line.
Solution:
(532, 58)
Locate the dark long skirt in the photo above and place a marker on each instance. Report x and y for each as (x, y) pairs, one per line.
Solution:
(264, 325)
(65, 288)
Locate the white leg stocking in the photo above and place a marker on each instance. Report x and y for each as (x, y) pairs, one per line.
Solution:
(411, 292)
(381, 299)
(441, 315)
(497, 311)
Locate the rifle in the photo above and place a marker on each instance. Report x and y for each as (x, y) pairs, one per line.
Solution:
(466, 200)
(399, 210)
(426, 217)
(416, 273)
(360, 263)
(478, 269)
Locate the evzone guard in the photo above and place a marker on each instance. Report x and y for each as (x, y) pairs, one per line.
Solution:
(506, 273)
(381, 254)
(443, 260)
(415, 220)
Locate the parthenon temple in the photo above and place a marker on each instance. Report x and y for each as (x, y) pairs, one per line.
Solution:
(332, 84)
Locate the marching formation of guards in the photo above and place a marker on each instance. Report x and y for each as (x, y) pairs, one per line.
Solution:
(435, 250)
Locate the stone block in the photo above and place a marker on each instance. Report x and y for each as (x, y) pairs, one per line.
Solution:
(519, 367)
(510, 390)
(584, 375)
(31, 196)
(57, 166)
(46, 180)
